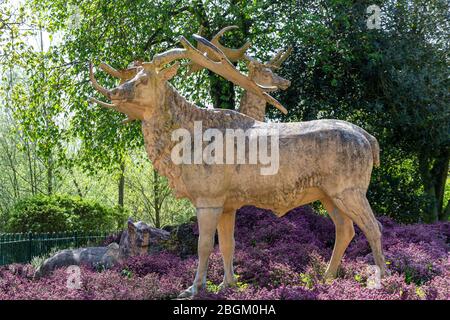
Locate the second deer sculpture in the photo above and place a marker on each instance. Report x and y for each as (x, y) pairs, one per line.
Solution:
(263, 74)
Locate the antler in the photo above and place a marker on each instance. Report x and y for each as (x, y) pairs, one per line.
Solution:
(164, 58)
(225, 68)
(221, 65)
(95, 84)
(122, 74)
(232, 54)
(279, 58)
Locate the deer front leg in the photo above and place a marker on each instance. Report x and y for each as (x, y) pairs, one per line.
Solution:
(208, 219)
(225, 230)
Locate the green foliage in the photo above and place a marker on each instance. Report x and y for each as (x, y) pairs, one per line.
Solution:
(211, 287)
(149, 196)
(62, 213)
(393, 82)
(126, 273)
(37, 261)
(396, 190)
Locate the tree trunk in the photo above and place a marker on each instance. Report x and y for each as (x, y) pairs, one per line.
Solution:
(429, 188)
(433, 215)
(440, 172)
(434, 178)
(77, 186)
(221, 91)
(156, 198)
(121, 189)
(50, 175)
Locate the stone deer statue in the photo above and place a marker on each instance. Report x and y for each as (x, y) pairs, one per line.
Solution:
(326, 160)
(137, 239)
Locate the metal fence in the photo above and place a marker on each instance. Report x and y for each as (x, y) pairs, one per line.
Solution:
(23, 247)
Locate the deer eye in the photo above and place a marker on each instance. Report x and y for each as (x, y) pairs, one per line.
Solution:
(142, 80)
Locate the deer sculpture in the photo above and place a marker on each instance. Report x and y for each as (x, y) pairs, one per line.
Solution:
(263, 74)
(326, 160)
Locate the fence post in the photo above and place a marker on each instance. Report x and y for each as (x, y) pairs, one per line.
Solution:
(30, 239)
(76, 239)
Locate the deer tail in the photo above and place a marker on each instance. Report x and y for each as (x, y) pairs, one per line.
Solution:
(375, 148)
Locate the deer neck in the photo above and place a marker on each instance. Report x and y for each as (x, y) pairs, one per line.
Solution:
(175, 112)
(253, 106)
(168, 115)
(172, 112)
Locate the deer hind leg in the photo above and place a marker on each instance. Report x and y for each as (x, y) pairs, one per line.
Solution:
(225, 229)
(208, 219)
(354, 204)
(344, 234)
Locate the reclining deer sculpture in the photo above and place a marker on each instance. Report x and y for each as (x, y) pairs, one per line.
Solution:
(326, 160)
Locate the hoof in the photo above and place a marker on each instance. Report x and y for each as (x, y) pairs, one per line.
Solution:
(225, 285)
(188, 293)
(330, 276)
(385, 272)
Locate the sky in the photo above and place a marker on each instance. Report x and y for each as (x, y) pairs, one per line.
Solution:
(34, 40)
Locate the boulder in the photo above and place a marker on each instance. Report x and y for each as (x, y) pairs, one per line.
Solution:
(140, 239)
(186, 239)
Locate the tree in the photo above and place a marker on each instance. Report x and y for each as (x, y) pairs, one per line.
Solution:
(150, 196)
(144, 30)
(392, 81)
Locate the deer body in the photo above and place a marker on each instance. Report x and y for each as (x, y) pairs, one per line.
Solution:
(314, 156)
(326, 160)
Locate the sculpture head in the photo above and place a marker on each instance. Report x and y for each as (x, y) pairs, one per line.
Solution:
(136, 239)
(264, 75)
(139, 89)
(142, 87)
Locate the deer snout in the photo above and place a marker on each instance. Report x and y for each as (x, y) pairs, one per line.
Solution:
(280, 83)
(283, 84)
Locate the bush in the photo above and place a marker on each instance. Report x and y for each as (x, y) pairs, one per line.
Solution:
(59, 213)
(276, 258)
(396, 190)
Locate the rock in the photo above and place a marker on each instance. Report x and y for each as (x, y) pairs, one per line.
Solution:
(186, 239)
(141, 239)
(168, 228)
(112, 256)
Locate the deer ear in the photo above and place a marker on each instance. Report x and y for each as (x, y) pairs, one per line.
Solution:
(253, 66)
(170, 72)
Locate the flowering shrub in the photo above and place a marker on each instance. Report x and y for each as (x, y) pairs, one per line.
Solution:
(275, 258)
